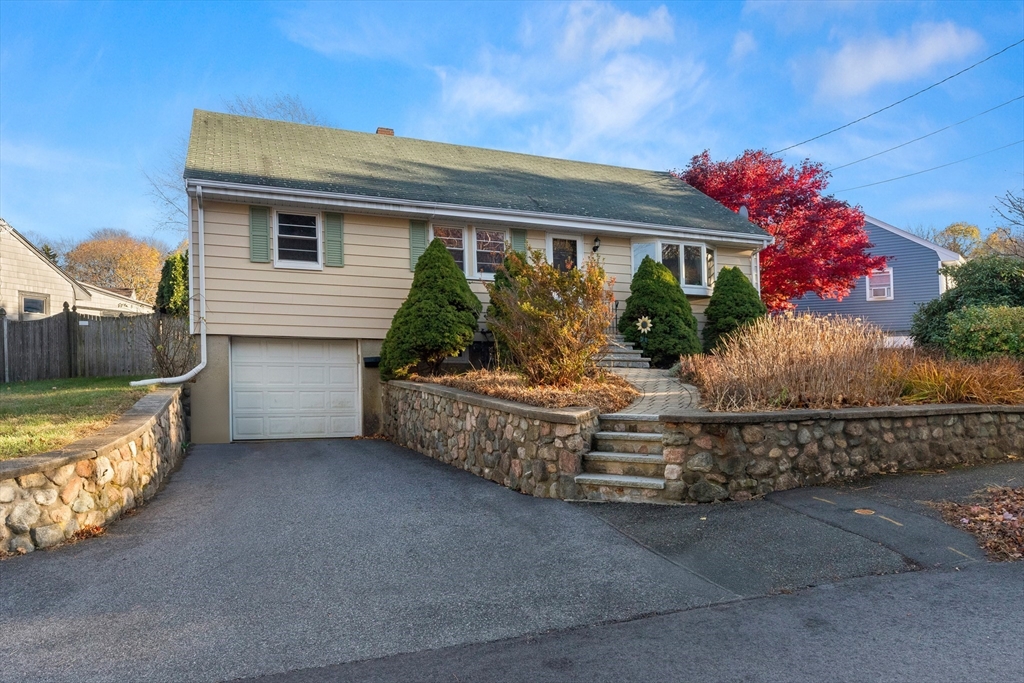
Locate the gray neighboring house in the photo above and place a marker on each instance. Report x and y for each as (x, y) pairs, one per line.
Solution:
(890, 297)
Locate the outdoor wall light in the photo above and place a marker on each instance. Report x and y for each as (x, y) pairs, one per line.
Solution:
(597, 243)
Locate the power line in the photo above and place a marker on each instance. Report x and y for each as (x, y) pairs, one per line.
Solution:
(952, 125)
(958, 161)
(923, 90)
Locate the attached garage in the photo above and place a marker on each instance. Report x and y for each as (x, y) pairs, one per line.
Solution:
(294, 389)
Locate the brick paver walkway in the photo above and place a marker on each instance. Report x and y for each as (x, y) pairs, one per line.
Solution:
(662, 392)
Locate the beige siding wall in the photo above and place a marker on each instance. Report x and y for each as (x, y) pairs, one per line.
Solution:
(359, 300)
(23, 271)
(100, 303)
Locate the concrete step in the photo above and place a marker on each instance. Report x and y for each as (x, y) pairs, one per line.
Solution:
(624, 355)
(627, 442)
(624, 422)
(623, 364)
(620, 481)
(628, 464)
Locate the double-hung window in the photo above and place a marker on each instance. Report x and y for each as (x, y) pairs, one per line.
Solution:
(688, 263)
(297, 240)
(455, 240)
(490, 251)
(880, 285)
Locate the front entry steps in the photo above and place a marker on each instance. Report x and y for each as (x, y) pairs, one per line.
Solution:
(618, 353)
(626, 464)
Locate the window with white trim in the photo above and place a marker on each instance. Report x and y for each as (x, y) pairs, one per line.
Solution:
(34, 304)
(490, 251)
(297, 240)
(880, 285)
(454, 240)
(688, 263)
(565, 252)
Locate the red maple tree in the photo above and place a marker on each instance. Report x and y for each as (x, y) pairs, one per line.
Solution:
(820, 242)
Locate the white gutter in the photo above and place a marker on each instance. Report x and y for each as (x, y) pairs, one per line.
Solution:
(413, 208)
(202, 305)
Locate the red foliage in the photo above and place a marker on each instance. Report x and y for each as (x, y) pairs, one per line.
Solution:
(820, 242)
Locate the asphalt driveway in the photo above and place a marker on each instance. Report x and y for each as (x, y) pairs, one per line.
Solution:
(268, 558)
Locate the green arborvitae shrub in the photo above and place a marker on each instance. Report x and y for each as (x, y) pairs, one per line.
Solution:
(437, 319)
(656, 294)
(982, 331)
(172, 291)
(734, 304)
(985, 281)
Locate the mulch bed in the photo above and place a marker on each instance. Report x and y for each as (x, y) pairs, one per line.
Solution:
(996, 522)
(610, 393)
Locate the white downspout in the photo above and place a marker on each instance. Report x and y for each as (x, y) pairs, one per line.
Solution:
(202, 307)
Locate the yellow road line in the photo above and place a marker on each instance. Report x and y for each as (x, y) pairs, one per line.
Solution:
(959, 553)
(823, 500)
(890, 520)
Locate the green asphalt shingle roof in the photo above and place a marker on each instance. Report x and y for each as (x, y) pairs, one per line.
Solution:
(261, 152)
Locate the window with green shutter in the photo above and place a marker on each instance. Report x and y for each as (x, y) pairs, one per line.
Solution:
(334, 239)
(417, 241)
(519, 240)
(259, 234)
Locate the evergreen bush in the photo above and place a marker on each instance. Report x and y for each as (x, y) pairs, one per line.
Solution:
(656, 294)
(734, 304)
(986, 281)
(436, 321)
(981, 331)
(172, 291)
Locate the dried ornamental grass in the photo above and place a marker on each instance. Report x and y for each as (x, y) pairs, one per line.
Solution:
(608, 392)
(789, 361)
(930, 379)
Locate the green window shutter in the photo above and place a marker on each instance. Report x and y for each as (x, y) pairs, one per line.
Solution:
(519, 241)
(259, 234)
(417, 241)
(334, 239)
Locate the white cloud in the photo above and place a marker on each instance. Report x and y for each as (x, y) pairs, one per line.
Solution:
(595, 29)
(320, 28)
(43, 158)
(861, 65)
(481, 94)
(742, 45)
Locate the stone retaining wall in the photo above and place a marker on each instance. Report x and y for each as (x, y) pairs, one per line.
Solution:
(537, 451)
(45, 499)
(712, 456)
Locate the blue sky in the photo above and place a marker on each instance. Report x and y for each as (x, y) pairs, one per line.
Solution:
(93, 94)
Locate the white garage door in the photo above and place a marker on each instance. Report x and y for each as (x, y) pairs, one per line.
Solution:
(294, 389)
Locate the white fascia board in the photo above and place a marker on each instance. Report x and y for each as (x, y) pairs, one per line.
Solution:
(237, 192)
(944, 254)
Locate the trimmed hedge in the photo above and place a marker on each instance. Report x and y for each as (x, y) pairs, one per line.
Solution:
(981, 331)
(734, 304)
(986, 281)
(436, 321)
(655, 293)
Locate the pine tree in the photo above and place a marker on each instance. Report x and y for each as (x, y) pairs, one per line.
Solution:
(172, 291)
(656, 294)
(437, 320)
(734, 304)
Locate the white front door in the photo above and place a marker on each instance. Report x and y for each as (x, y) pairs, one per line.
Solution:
(294, 389)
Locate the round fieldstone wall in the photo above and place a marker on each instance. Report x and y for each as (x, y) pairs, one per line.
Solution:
(45, 499)
(713, 456)
(537, 451)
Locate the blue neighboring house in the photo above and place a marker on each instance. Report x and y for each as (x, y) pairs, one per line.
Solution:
(889, 297)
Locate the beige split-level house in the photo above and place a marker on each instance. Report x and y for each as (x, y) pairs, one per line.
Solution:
(304, 240)
(33, 287)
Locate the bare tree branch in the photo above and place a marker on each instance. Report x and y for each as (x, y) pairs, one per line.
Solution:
(277, 107)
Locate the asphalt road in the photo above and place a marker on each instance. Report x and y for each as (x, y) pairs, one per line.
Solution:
(322, 560)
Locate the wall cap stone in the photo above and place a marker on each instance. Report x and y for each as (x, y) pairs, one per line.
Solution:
(128, 427)
(560, 415)
(891, 412)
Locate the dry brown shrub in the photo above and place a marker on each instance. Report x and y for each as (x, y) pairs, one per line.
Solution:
(934, 379)
(608, 392)
(788, 361)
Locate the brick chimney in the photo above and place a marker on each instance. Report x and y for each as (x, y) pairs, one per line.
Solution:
(385, 131)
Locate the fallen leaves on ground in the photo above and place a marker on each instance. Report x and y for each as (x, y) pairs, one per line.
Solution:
(996, 522)
(610, 393)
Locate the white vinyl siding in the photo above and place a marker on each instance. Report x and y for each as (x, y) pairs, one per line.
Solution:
(294, 389)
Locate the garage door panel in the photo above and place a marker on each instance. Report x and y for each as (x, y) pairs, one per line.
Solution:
(291, 388)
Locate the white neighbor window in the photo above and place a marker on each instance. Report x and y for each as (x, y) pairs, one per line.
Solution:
(297, 240)
(880, 285)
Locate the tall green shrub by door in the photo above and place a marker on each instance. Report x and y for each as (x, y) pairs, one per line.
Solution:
(734, 304)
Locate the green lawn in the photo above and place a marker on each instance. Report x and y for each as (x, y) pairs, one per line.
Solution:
(36, 417)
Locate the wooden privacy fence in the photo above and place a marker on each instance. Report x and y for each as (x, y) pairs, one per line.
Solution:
(72, 344)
